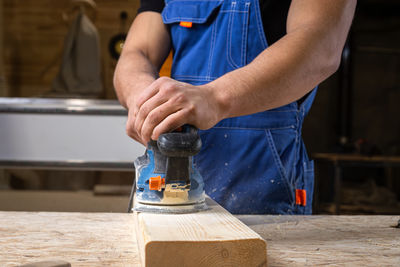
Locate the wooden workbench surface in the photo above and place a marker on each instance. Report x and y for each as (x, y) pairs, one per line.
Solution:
(108, 239)
(329, 240)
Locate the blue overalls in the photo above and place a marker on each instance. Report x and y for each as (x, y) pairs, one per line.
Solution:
(254, 164)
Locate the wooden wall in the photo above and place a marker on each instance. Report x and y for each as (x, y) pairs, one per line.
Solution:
(34, 32)
(2, 79)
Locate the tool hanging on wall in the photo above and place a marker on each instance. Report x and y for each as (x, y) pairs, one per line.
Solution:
(73, 9)
(88, 7)
(80, 71)
(117, 41)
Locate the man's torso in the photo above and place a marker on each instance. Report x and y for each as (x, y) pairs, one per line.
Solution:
(273, 13)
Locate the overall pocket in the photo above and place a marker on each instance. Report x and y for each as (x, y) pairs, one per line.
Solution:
(282, 144)
(242, 171)
(237, 34)
(193, 26)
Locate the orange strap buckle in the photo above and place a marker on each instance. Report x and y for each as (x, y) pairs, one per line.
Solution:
(301, 197)
(156, 183)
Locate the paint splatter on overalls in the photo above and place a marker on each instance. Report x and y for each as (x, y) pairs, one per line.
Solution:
(254, 164)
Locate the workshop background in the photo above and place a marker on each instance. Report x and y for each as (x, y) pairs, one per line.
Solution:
(352, 131)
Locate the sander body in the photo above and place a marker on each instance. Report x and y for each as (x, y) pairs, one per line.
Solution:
(166, 178)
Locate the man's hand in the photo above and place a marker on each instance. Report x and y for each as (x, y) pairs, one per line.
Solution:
(168, 104)
(145, 49)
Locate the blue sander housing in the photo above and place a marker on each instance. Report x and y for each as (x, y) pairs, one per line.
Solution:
(166, 178)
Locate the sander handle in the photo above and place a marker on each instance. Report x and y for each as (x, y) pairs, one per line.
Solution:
(184, 143)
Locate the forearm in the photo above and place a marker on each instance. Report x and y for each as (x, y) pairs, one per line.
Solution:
(145, 49)
(287, 70)
(133, 73)
(280, 75)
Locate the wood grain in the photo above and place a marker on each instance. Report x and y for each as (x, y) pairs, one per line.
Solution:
(329, 240)
(109, 239)
(207, 238)
(81, 239)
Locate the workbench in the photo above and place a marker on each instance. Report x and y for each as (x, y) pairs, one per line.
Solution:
(108, 239)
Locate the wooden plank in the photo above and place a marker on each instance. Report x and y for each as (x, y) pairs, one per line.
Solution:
(209, 238)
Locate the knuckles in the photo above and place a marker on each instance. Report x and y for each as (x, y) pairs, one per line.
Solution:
(130, 132)
(129, 129)
(144, 109)
(180, 98)
(152, 117)
(191, 108)
(167, 89)
(163, 79)
(138, 102)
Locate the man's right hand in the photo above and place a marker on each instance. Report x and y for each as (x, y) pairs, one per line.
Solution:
(168, 104)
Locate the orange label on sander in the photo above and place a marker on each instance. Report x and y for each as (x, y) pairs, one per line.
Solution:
(186, 24)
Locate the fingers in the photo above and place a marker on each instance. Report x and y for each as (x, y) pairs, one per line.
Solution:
(157, 102)
(153, 97)
(160, 102)
(170, 123)
(156, 116)
(130, 129)
(148, 108)
(149, 92)
(166, 105)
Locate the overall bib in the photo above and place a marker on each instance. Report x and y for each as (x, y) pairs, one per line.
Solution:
(255, 164)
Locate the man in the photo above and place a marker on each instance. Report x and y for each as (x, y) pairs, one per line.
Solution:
(243, 72)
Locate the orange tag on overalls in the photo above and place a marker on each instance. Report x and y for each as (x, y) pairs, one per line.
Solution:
(186, 24)
(301, 197)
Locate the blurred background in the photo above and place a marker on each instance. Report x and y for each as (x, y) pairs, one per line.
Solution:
(62, 135)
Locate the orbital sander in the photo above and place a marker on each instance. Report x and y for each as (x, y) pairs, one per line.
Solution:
(166, 178)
